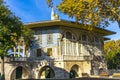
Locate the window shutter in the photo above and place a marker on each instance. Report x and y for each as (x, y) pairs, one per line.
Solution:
(49, 52)
(38, 52)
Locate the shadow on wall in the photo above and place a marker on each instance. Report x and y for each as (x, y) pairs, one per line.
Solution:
(41, 67)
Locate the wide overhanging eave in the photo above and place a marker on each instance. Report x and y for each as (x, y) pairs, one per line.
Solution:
(69, 24)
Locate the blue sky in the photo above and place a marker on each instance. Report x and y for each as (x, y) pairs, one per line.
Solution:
(37, 10)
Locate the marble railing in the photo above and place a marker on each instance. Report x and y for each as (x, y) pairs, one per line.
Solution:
(30, 59)
(69, 57)
(37, 59)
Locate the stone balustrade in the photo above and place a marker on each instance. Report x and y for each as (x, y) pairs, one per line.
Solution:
(69, 57)
(38, 59)
(15, 59)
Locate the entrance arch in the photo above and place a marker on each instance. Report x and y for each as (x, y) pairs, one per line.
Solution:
(46, 72)
(20, 73)
(74, 71)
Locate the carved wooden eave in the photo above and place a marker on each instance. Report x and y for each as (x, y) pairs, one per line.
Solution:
(65, 23)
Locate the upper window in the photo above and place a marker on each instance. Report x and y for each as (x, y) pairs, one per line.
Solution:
(38, 34)
(38, 52)
(49, 52)
(84, 38)
(49, 37)
(70, 36)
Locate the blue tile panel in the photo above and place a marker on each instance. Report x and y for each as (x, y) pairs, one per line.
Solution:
(43, 32)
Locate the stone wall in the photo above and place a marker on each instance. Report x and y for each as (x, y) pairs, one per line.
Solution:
(83, 67)
(10, 69)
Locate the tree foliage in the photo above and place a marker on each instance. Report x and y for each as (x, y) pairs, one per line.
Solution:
(112, 52)
(95, 12)
(11, 30)
(27, 35)
(50, 3)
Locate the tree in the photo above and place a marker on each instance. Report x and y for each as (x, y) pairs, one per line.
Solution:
(27, 35)
(113, 59)
(109, 46)
(112, 53)
(97, 13)
(11, 30)
(25, 40)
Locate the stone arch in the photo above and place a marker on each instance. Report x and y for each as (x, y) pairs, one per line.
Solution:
(46, 72)
(19, 72)
(101, 70)
(74, 71)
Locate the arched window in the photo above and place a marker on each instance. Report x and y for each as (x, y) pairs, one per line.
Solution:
(70, 44)
(68, 35)
(84, 37)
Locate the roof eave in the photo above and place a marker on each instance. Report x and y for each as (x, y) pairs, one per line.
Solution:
(69, 24)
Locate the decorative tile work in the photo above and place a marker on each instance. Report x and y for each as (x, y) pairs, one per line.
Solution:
(49, 37)
(38, 34)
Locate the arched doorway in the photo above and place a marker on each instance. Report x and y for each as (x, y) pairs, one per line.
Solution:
(74, 71)
(72, 74)
(20, 73)
(46, 72)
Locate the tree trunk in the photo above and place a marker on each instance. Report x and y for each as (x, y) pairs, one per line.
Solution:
(2, 69)
(14, 48)
(18, 50)
(24, 50)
